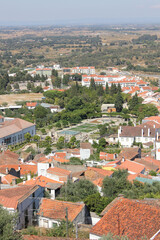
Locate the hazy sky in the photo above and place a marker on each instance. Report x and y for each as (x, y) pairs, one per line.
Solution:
(19, 12)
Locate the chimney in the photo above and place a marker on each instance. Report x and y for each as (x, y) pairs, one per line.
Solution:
(154, 126)
(123, 159)
(148, 132)
(6, 170)
(19, 168)
(142, 132)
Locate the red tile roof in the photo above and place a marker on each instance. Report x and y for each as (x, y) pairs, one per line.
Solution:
(55, 209)
(132, 218)
(8, 157)
(10, 198)
(24, 168)
(40, 180)
(31, 104)
(131, 166)
(8, 179)
(58, 171)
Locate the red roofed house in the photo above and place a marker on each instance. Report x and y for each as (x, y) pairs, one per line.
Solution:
(132, 166)
(107, 156)
(51, 186)
(58, 174)
(24, 200)
(52, 212)
(31, 105)
(93, 174)
(135, 219)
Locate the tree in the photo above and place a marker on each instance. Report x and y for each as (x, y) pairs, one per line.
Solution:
(96, 203)
(16, 86)
(29, 85)
(113, 89)
(92, 84)
(77, 191)
(40, 112)
(36, 138)
(27, 137)
(119, 102)
(119, 90)
(134, 102)
(60, 143)
(107, 89)
(54, 73)
(7, 225)
(8, 88)
(117, 184)
(102, 142)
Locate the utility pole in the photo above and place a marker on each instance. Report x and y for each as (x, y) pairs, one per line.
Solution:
(67, 222)
(76, 230)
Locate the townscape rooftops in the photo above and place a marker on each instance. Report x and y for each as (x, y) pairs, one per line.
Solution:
(132, 218)
(55, 209)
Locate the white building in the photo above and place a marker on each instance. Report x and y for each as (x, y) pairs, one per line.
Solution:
(86, 150)
(52, 212)
(128, 135)
(83, 70)
(12, 131)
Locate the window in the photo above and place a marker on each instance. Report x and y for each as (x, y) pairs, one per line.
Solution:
(54, 225)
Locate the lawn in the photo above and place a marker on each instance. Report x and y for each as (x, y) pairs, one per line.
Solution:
(84, 128)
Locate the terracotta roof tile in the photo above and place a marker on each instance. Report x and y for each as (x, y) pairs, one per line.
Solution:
(132, 218)
(131, 166)
(55, 209)
(9, 198)
(58, 171)
(40, 180)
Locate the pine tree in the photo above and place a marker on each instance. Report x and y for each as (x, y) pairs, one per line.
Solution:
(107, 89)
(92, 84)
(119, 102)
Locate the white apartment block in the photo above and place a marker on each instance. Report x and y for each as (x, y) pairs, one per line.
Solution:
(83, 70)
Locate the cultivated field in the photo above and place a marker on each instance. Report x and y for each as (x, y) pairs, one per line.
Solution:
(84, 128)
(11, 99)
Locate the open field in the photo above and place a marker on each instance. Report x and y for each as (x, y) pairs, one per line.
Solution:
(12, 98)
(84, 128)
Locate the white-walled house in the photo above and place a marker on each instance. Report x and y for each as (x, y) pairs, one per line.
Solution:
(52, 212)
(127, 135)
(12, 131)
(51, 186)
(25, 200)
(86, 150)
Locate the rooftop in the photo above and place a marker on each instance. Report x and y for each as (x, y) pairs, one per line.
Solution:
(132, 218)
(10, 198)
(55, 209)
